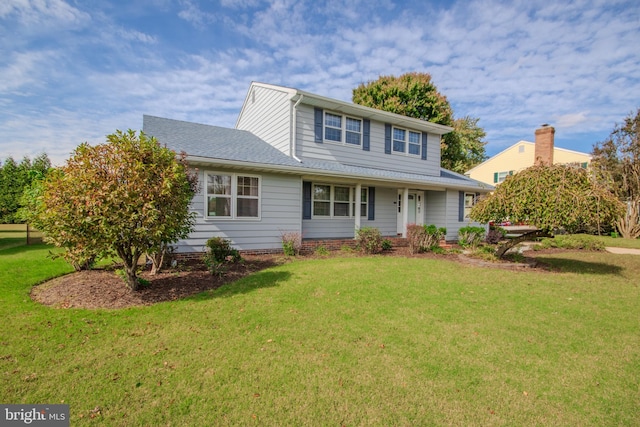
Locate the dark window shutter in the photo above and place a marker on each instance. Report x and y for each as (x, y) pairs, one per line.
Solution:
(372, 204)
(495, 177)
(461, 206)
(306, 200)
(387, 138)
(318, 124)
(510, 173)
(366, 132)
(424, 146)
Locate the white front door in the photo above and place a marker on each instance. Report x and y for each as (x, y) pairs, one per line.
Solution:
(413, 208)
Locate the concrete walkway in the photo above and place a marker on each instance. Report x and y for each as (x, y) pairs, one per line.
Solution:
(623, 250)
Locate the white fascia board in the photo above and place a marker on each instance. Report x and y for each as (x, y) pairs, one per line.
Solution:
(356, 110)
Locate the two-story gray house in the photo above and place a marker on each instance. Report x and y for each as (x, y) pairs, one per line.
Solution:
(303, 163)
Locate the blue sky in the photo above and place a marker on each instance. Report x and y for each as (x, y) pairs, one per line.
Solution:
(75, 71)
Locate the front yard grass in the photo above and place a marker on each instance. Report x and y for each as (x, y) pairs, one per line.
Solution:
(340, 341)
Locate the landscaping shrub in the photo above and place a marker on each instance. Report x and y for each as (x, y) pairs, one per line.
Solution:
(219, 255)
(369, 240)
(291, 243)
(386, 245)
(423, 238)
(573, 241)
(470, 236)
(495, 235)
(322, 251)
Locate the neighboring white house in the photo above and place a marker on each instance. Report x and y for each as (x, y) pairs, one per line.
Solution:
(302, 163)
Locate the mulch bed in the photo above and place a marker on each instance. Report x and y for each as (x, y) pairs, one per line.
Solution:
(102, 288)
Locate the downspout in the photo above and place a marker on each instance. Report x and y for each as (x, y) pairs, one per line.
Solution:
(292, 143)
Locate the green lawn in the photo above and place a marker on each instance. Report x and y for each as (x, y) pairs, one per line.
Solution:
(16, 234)
(618, 242)
(340, 341)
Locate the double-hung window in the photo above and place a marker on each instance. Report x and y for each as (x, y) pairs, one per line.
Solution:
(469, 202)
(232, 196)
(414, 143)
(364, 202)
(332, 127)
(335, 201)
(338, 128)
(322, 200)
(353, 132)
(341, 201)
(499, 177)
(406, 141)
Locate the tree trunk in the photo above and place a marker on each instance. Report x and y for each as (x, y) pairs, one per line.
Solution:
(629, 225)
(130, 261)
(132, 277)
(536, 234)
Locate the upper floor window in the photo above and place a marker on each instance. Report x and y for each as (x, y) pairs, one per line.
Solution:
(339, 128)
(406, 141)
(232, 196)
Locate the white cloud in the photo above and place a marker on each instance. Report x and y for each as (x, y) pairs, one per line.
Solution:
(513, 65)
(192, 13)
(39, 13)
(571, 120)
(137, 36)
(23, 71)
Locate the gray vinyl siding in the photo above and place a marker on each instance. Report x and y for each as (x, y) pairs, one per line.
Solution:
(306, 147)
(281, 204)
(344, 228)
(267, 114)
(435, 209)
(452, 209)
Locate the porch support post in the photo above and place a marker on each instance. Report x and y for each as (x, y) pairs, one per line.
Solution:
(356, 208)
(405, 210)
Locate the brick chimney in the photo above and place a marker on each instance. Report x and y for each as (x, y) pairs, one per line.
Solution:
(544, 145)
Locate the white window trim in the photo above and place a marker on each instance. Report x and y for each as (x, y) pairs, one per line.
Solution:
(467, 209)
(406, 142)
(503, 175)
(234, 197)
(352, 201)
(343, 129)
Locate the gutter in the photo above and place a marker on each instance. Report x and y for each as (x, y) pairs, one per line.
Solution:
(294, 127)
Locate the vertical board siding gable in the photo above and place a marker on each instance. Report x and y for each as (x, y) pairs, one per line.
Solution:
(318, 124)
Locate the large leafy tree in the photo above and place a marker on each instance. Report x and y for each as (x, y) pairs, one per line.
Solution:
(616, 161)
(14, 178)
(415, 95)
(551, 198)
(463, 148)
(126, 197)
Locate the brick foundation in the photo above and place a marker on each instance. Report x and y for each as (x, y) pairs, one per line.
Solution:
(309, 246)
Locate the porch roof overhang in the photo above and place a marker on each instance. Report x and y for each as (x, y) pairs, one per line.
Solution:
(338, 172)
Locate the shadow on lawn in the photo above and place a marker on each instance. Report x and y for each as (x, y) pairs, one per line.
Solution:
(258, 280)
(580, 267)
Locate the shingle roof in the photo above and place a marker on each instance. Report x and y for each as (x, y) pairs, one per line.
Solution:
(217, 143)
(214, 142)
